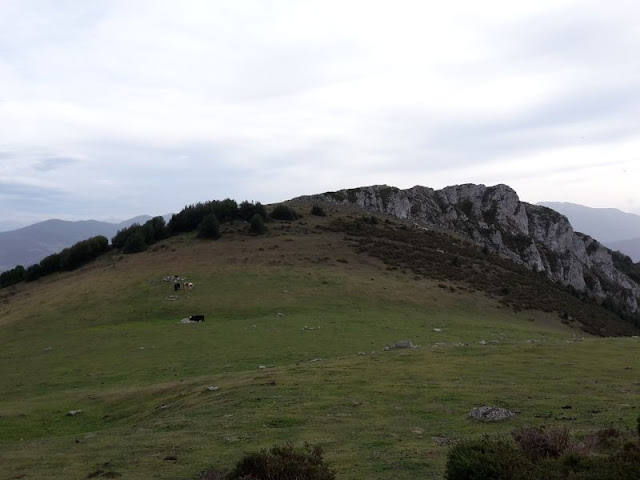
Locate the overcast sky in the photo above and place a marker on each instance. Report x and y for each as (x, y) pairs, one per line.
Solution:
(111, 109)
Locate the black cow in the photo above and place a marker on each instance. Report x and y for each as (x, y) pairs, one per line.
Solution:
(176, 286)
(197, 318)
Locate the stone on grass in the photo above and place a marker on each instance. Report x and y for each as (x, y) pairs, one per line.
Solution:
(73, 413)
(490, 414)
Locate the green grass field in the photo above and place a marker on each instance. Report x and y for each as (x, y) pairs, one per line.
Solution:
(296, 324)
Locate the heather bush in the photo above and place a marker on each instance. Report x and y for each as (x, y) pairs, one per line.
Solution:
(282, 212)
(283, 463)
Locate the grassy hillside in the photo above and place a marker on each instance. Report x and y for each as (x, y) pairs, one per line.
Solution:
(296, 324)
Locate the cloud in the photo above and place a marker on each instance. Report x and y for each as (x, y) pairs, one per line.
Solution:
(142, 107)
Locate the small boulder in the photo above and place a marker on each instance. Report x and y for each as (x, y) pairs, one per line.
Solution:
(73, 413)
(490, 414)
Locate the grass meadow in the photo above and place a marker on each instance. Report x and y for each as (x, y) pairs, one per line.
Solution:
(296, 324)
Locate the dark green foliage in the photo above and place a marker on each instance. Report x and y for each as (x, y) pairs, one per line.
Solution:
(419, 251)
(283, 463)
(13, 276)
(155, 230)
(246, 210)
(545, 454)
(318, 211)
(209, 227)
(33, 272)
(257, 225)
(485, 459)
(189, 218)
(283, 212)
(82, 252)
(135, 243)
(68, 259)
(121, 237)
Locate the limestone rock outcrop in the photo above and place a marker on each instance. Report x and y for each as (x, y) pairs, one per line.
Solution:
(494, 217)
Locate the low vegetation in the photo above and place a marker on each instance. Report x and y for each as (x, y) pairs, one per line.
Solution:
(435, 255)
(101, 379)
(546, 453)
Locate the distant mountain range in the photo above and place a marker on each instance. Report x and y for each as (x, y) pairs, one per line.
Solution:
(616, 229)
(28, 245)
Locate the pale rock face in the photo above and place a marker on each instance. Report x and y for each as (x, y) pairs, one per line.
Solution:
(535, 236)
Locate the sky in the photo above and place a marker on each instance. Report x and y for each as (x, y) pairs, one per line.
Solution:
(111, 109)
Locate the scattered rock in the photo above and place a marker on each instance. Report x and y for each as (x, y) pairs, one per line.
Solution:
(442, 440)
(400, 344)
(279, 314)
(73, 413)
(482, 342)
(438, 330)
(213, 389)
(315, 360)
(418, 431)
(490, 414)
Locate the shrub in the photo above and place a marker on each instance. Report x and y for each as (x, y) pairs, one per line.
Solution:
(135, 243)
(318, 211)
(283, 463)
(282, 212)
(246, 210)
(485, 459)
(537, 442)
(209, 227)
(256, 225)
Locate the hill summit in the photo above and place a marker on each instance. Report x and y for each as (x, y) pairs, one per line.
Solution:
(494, 218)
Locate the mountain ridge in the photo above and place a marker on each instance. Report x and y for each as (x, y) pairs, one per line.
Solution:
(494, 218)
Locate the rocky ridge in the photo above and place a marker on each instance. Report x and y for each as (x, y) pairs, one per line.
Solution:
(495, 218)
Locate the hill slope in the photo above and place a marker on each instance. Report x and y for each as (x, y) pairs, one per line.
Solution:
(495, 218)
(293, 346)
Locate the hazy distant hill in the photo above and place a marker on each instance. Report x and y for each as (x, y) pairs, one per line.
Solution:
(605, 224)
(28, 245)
(629, 247)
(616, 229)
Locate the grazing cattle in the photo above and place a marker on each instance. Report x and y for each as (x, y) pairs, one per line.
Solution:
(189, 286)
(197, 318)
(176, 286)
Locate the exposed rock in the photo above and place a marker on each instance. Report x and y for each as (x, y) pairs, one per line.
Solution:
(400, 344)
(490, 414)
(213, 389)
(494, 217)
(73, 413)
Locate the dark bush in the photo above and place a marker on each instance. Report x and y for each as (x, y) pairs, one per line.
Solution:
(282, 212)
(135, 243)
(246, 210)
(318, 211)
(485, 459)
(283, 463)
(538, 442)
(257, 225)
(13, 276)
(209, 227)
(121, 237)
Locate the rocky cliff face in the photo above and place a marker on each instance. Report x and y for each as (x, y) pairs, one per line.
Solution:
(495, 218)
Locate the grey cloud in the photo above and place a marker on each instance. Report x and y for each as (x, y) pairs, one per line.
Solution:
(53, 163)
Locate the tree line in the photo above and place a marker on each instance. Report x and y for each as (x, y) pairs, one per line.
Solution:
(203, 217)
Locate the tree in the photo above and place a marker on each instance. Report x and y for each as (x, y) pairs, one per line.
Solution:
(135, 243)
(257, 225)
(209, 227)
